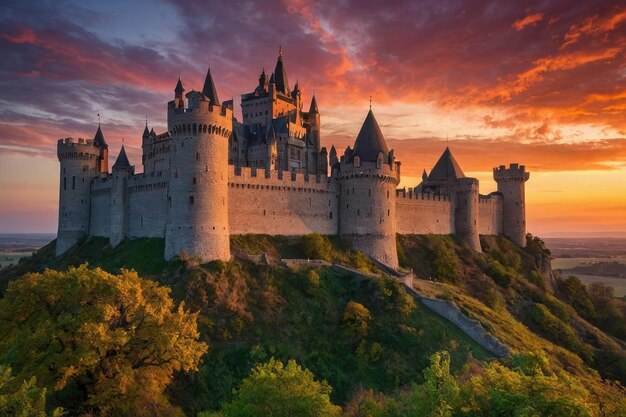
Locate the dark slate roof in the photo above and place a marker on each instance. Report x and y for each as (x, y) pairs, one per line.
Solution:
(146, 132)
(313, 108)
(209, 88)
(333, 151)
(446, 168)
(280, 75)
(179, 86)
(370, 141)
(122, 160)
(98, 139)
(272, 79)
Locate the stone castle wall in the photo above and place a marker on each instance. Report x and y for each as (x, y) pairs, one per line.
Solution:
(262, 202)
(423, 214)
(490, 214)
(148, 198)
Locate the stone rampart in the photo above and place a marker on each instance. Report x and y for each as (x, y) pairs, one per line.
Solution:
(269, 202)
(423, 213)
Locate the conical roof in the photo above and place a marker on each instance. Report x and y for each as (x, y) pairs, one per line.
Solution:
(333, 151)
(122, 160)
(446, 168)
(146, 132)
(370, 140)
(209, 89)
(179, 87)
(98, 139)
(280, 75)
(313, 108)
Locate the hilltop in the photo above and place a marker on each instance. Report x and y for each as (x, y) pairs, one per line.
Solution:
(257, 307)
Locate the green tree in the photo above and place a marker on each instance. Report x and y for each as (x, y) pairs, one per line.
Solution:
(275, 390)
(110, 343)
(316, 246)
(356, 318)
(22, 400)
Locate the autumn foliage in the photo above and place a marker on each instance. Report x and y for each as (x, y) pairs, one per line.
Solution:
(107, 344)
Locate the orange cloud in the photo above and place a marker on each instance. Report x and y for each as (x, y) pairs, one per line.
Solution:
(529, 20)
(594, 25)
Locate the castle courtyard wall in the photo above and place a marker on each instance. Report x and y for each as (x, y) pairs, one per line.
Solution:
(291, 204)
(423, 214)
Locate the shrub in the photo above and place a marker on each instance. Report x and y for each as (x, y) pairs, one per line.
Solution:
(444, 263)
(503, 276)
(316, 246)
(356, 318)
(276, 390)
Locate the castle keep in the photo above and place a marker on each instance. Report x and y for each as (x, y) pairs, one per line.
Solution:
(209, 176)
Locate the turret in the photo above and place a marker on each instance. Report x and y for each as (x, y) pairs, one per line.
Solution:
(81, 161)
(368, 178)
(122, 170)
(197, 201)
(146, 146)
(179, 101)
(280, 75)
(314, 120)
(511, 184)
(464, 197)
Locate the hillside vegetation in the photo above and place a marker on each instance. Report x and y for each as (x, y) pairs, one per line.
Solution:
(361, 341)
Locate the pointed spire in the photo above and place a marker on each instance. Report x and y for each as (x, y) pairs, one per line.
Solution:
(370, 140)
(333, 151)
(179, 89)
(280, 74)
(152, 133)
(122, 160)
(263, 78)
(209, 89)
(146, 132)
(313, 108)
(272, 79)
(446, 167)
(280, 52)
(424, 175)
(98, 139)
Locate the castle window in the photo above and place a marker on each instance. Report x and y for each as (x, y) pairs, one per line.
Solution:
(331, 214)
(191, 199)
(388, 212)
(358, 212)
(64, 183)
(197, 156)
(387, 194)
(73, 183)
(194, 180)
(176, 174)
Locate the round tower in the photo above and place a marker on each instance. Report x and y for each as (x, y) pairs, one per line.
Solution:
(464, 196)
(80, 160)
(197, 206)
(122, 170)
(368, 178)
(511, 184)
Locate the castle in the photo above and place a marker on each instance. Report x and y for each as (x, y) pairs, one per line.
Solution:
(209, 176)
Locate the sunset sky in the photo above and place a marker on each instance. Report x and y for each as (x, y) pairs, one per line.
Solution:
(539, 83)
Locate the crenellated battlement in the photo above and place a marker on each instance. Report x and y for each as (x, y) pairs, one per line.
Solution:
(493, 198)
(515, 172)
(80, 149)
(247, 177)
(411, 195)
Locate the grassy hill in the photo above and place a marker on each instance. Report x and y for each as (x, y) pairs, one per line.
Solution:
(252, 311)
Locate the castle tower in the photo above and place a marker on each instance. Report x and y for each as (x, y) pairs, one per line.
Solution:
(122, 170)
(464, 197)
(368, 178)
(511, 185)
(81, 160)
(197, 201)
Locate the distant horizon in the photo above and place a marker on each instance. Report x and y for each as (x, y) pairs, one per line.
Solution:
(572, 235)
